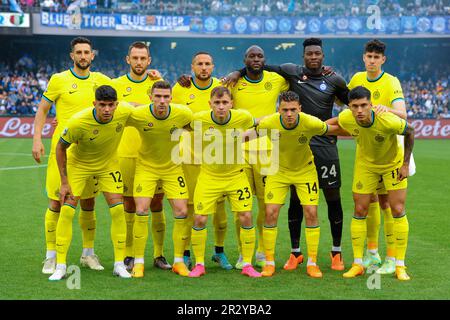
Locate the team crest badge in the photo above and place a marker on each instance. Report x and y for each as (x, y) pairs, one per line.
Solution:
(270, 195)
(323, 86)
(376, 95)
(128, 89)
(95, 131)
(268, 86)
(379, 138)
(192, 97)
(302, 139)
(119, 127)
(200, 206)
(139, 189)
(150, 124)
(57, 193)
(74, 86)
(243, 84)
(304, 78)
(359, 185)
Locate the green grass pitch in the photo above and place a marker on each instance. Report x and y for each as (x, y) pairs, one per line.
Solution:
(23, 203)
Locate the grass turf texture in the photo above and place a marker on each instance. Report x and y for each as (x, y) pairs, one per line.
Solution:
(24, 203)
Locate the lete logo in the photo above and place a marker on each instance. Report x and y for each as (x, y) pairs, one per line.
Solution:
(22, 128)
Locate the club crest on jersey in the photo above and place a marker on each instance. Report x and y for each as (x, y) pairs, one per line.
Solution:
(302, 139)
(304, 78)
(355, 133)
(150, 124)
(270, 195)
(192, 97)
(323, 86)
(376, 95)
(95, 131)
(379, 138)
(359, 185)
(119, 127)
(268, 86)
(74, 86)
(128, 89)
(243, 84)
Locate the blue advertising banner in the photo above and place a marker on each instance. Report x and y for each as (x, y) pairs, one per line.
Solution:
(224, 25)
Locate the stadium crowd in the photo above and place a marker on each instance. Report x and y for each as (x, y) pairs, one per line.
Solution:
(241, 7)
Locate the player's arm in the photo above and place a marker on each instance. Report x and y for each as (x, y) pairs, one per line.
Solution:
(334, 129)
(398, 108)
(408, 145)
(39, 122)
(61, 159)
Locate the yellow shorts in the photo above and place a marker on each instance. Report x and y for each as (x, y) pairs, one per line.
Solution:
(128, 169)
(366, 181)
(306, 183)
(210, 189)
(256, 181)
(88, 184)
(173, 182)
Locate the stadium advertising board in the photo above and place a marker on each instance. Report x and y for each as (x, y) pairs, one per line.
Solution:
(339, 26)
(15, 127)
(22, 127)
(14, 20)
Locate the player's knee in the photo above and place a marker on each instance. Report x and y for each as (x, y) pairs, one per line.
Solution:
(87, 204)
(200, 221)
(310, 213)
(361, 209)
(141, 212)
(271, 215)
(156, 204)
(384, 202)
(54, 205)
(129, 204)
(397, 209)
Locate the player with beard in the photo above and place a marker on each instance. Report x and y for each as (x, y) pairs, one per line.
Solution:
(134, 88)
(317, 88)
(71, 91)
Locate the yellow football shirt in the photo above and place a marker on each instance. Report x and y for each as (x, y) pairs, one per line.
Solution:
(376, 145)
(137, 92)
(156, 134)
(72, 93)
(384, 90)
(259, 97)
(221, 143)
(194, 97)
(294, 153)
(95, 143)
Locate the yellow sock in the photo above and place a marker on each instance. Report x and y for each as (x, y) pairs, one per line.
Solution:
(220, 224)
(358, 230)
(140, 232)
(198, 239)
(64, 233)
(189, 225)
(158, 232)
(389, 232)
(270, 240)
(179, 236)
(312, 235)
(260, 224)
(118, 231)
(237, 225)
(129, 218)
(51, 220)
(373, 225)
(88, 223)
(248, 239)
(401, 231)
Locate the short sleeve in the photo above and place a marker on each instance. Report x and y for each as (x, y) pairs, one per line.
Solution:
(397, 92)
(188, 116)
(396, 124)
(343, 119)
(53, 90)
(71, 133)
(317, 126)
(352, 82)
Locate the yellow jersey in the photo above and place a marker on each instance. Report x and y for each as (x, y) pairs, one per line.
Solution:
(385, 89)
(156, 134)
(294, 153)
(94, 143)
(376, 145)
(194, 97)
(221, 143)
(71, 93)
(137, 92)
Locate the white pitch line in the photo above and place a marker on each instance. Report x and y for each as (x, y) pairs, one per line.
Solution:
(23, 167)
(18, 154)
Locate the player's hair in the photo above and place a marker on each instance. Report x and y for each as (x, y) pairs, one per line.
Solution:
(289, 96)
(376, 46)
(199, 53)
(312, 42)
(105, 93)
(220, 91)
(359, 92)
(253, 47)
(78, 40)
(162, 84)
(138, 45)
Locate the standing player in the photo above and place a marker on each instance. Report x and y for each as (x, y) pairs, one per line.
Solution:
(196, 96)
(291, 130)
(378, 155)
(222, 172)
(71, 91)
(156, 123)
(91, 166)
(257, 92)
(134, 87)
(387, 95)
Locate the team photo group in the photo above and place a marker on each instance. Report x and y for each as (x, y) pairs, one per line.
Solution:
(254, 140)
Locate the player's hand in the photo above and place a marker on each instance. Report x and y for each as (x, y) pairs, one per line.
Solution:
(327, 71)
(379, 109)
(185, 80)
(65, 192)
(231, 79)
(54, 123)
(403, 172)
(38, 150)
(154, 74)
